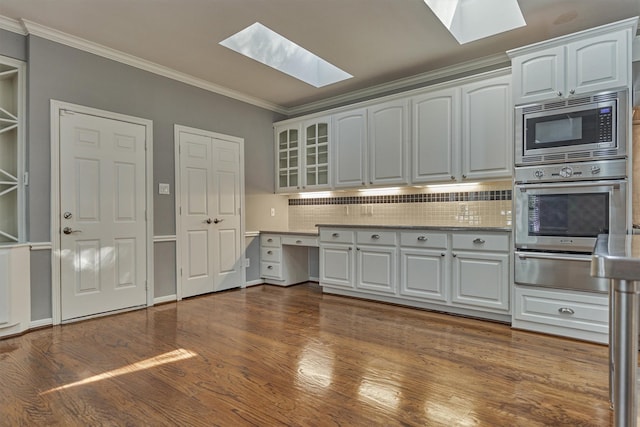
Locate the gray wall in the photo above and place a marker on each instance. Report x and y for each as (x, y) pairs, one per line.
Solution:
(62, 73)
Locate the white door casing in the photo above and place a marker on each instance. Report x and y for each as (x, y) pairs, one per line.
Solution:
(209, 211)
(100, 185)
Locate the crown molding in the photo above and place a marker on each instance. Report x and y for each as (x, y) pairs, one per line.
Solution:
(42, 31)
(400, 84)
(12, 25)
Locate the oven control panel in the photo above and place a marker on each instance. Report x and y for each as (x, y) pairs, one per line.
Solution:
(604, 169)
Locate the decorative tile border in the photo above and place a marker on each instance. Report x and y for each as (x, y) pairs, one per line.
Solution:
(469, 196)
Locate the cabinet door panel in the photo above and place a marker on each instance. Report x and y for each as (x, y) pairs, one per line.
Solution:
(487, 122)
(436, 126)
(316, 154)
(539, 76)
(423, 274)
(481, 279)
(376, 269)
(288, 177)
(598, 63)
(336, 265)
(350, 148)
(388, 143)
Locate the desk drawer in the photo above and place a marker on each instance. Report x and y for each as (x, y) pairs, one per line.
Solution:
(270, 269)
(300, 241)
(270, 254)
(270, 240)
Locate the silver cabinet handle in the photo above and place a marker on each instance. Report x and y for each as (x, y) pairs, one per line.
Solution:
(572, 91)
(454, 255)
(464, 176)
(298, 241)
(478, 241)
(566, 310)
(270, 267)
(350, 248)
(559, 93)
(69, 230)
(269, 252)
(269, 240)
(335, 235)
(442, 254)
(452, 177)
(422, 238)
(375, 236)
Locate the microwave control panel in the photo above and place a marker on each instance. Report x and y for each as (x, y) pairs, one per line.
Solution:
(604, 169)
(605, 124)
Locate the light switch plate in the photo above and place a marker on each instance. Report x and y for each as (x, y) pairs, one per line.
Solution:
(164, 189)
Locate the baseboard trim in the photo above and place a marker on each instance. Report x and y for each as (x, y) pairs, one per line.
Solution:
(35, 324)
(254, 283)
(164, 299)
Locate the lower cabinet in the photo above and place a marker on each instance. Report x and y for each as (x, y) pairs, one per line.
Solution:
(573, 314)
(284, 259)
(15, 304)
(460, 272)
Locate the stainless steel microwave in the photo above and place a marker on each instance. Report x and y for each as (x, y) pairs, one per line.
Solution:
(581, 128)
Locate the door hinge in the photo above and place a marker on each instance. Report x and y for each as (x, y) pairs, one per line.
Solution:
(25, 179)
(181, 272)
(180, 210)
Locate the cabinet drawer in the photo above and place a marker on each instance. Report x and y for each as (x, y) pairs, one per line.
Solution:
(336, 236)
(270, 240)
(300, 241)
(270, 269)
(423, 240)
(574, 310)
(270, 254)
(479, 241)
(375, 237)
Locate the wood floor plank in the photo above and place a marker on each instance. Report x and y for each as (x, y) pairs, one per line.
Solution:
(266, 356)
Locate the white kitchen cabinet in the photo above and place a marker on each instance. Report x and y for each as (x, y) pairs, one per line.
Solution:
(388, 142)
(435, 136)
(573, 314)
(376, 261)
(584, 62)
(288, 157)
(317, 151)
(15, 285)
(487, 129)
(424, 266)
(463, 133)
(12, 117)
(480, 274)
(350, 148)
(337, 258)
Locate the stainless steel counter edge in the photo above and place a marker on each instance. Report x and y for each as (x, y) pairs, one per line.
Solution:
(417, 227)
(616, 257)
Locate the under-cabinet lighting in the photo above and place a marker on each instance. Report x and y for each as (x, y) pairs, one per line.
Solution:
(463, 185)
(316, 195)
(270, 48)
(470, 20)
(386, 191)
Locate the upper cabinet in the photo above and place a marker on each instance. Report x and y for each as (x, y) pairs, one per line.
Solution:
(388, 142)
(11, 150)
(487, 129)
(463, 132)
(350, 148)
(302, 155)
(588, 61)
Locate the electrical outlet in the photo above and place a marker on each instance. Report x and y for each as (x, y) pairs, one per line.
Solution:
(273, 211)
(164, 189)
(247, 262)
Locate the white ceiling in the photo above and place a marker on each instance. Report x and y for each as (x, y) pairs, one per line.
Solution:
(377, 41)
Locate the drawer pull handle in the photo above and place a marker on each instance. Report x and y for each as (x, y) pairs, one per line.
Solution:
(269, 252)
(442, 254)
(375, 236)
(269, 240)
(270, 267)
(454, 255)
(565, 310)
(422, 238)
(298, 241)
(335, 235)
(478, 241)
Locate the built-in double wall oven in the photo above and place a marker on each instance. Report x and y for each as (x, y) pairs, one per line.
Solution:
(570, 186)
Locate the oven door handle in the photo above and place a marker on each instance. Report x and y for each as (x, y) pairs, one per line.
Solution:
(555, 185)
(564, 257)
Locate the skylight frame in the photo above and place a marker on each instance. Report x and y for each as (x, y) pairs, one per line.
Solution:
(264, 45)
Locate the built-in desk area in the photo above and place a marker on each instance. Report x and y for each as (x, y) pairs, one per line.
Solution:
(617, 257)
(284, 256)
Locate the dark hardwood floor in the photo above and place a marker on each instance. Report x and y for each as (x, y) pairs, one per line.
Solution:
(268, 356)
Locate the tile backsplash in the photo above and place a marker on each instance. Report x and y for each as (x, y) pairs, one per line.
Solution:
(485, 205)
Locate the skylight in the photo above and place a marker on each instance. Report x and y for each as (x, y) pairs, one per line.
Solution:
(270, 48)
(470, 20)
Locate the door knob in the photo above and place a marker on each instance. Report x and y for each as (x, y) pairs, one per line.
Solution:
(215, 221)
(67, 215)
(208, 221)
(69, 230)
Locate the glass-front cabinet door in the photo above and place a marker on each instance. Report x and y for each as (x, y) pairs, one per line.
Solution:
(316, 149)
(288, 158)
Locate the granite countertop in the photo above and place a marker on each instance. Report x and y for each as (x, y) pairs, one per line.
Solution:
(311, 233)
(416, 227)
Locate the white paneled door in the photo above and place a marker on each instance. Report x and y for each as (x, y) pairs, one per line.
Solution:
(102, 215)
(210, 236)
